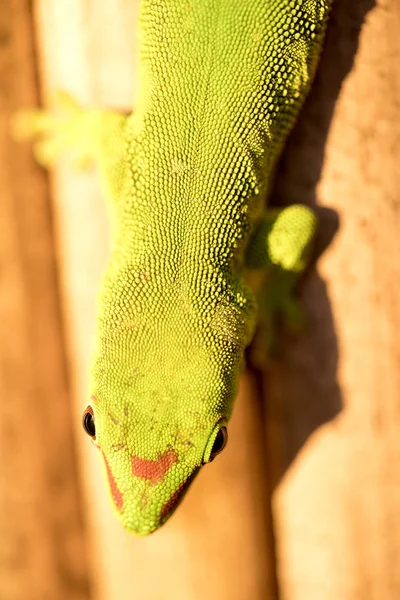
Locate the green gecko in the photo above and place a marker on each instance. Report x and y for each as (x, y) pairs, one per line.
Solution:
(186, 176)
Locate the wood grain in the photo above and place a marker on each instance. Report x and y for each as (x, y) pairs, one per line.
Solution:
(42, 549)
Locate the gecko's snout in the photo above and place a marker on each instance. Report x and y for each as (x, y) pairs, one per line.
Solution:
(176, 497)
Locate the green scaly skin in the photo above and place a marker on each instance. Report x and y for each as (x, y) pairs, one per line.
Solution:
(186, 176)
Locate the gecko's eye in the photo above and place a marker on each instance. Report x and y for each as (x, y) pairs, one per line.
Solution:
(219, 444)
(216, 443)
(88, 422)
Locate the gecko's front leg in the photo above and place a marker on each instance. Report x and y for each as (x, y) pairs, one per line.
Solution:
(281, 246)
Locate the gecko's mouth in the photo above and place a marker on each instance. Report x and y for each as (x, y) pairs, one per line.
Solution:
(177, 497)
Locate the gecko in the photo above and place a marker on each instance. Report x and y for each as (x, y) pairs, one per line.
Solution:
(186, 177)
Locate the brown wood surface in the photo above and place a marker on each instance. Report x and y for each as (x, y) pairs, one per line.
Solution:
(331, 409)
(334, 414)
(42, 549)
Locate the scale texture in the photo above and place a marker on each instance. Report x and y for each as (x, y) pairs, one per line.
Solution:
(221, 82)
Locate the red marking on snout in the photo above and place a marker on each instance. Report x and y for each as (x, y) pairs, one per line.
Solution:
(176, 497)
(154, 470)
(116, 493)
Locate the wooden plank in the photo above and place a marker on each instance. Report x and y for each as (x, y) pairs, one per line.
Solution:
(334, 408)
(217, 545)
(42, 550)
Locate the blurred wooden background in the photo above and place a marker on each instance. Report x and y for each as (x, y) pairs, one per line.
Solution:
(304, 503)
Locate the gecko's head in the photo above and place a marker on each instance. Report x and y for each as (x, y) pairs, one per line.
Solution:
(157, 429)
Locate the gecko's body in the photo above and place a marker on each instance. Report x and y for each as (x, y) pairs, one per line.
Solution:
(221, 82)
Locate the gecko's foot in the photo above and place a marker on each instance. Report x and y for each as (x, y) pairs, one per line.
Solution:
(282, 244)
(54, 132)
(82, 133)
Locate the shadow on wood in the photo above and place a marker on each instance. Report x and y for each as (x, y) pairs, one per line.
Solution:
(302, 391)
